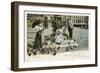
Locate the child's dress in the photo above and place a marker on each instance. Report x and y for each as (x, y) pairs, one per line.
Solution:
(59, 38)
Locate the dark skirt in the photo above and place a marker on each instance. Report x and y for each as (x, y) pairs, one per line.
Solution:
(70, 32)
(38, 41)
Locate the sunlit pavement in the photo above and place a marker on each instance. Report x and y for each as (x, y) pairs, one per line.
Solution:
(81, 36)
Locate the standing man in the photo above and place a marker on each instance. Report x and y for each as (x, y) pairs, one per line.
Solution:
(70, 28)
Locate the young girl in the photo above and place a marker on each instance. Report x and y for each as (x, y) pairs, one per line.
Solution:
(59, 38)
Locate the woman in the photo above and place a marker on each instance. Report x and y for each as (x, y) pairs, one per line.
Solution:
(38, 38)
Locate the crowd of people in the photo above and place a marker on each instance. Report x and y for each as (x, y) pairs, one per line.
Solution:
(51, 42)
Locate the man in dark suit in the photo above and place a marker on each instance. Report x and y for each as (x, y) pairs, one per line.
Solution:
(70, 28)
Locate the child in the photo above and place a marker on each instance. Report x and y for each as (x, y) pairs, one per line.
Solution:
(59, 38)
